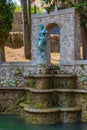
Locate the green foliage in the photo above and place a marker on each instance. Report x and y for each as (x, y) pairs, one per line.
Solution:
(82, 8)
(60, 4)
(82, 66)
(6, 16)
(63, 4)
(81, 75)
(34, 10)
(18, 9)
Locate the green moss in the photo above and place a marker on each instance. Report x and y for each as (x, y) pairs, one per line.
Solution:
(32, 83)
(28, 97)
(32, 118)
(64, 83)
(19, 71)
(38, 104)
(85, 97)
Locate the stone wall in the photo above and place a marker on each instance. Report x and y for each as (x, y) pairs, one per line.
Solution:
(15, 40)
(80, 69)
(18, 22)
(65, 20)
(10, 100)
(12, 74)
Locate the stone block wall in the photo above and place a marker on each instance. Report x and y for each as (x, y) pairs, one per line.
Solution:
(15, 40)
(17, 22)
(12, 73)
(10, 101)
(80, 69)
(65, 19)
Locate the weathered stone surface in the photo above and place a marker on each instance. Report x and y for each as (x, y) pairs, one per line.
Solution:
(65, 82)
(36, 118)
(65, 99)
(70, 116)
(13, 74)
(65, 20)
(10, 101)
(44, 83)
(18, 22)
(15, 40)
(41, 100)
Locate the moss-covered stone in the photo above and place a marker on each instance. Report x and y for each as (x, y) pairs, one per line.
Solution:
(70, 116)
(10, 101)
(42, 100)
(38, 118)
(31, 82)
(65, 99)
(44, 83)
(65, 82)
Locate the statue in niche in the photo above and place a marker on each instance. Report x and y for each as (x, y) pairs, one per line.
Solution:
(41, 43)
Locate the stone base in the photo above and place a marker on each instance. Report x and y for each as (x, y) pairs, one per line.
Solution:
(50, 115)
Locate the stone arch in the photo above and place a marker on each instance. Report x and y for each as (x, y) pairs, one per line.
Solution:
(51, 25)
(65, 20)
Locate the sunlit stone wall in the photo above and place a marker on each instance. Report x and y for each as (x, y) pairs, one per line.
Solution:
(65, 19)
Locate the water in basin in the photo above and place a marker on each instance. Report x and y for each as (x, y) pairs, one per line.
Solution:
(12, 122)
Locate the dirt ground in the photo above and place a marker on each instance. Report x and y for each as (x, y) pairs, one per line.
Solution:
(17, 55)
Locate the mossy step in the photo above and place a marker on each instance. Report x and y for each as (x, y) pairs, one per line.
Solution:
(42, 91)
(24, 105)
(38, 76)
(12, 88)
(70, 109)
(51, 75)
(71, 90)
(64, 76)
(50, 110)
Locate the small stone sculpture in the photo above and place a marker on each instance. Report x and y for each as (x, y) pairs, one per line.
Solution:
(41, 43)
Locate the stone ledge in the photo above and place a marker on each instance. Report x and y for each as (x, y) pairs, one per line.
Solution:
(38, 76)
(12, 88)
(71, 90)
(60, 12)
(73, 62)
(52, 110)
(16, 64)
(51, 76)
(44, 90)
(65, 76)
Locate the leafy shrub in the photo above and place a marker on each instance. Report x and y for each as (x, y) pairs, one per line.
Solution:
(6, 16)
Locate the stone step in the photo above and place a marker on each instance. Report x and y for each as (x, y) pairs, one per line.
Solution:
(51, 115)
(53, 110)
(52, 81)
(49, 110)
(44, 90)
